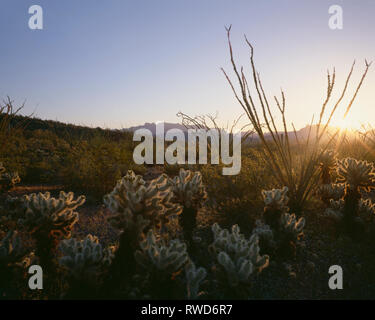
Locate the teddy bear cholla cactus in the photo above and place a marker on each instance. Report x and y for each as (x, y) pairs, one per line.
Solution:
(334, 191)
(280, 230)
(11, 249)
(237, 257)
(157, 255)
(189, 191)
(162, 261)
(194, 277)
(327, 162)
(48, 219)
(137, 205)
(291, 226)
(85, 259)
(50, 215)
(357, 175)
(276, 201)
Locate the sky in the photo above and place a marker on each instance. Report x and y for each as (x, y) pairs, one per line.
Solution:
(121, 63)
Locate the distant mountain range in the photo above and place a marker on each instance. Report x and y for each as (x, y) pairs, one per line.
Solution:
(301, 134)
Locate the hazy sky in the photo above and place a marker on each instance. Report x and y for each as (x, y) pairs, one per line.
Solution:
(118, 63)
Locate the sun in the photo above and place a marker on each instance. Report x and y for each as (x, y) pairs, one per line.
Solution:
(347, 124)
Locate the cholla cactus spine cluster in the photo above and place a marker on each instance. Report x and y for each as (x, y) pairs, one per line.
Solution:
(194, 277)
(327, 163)
(356, 174)
(292, 226)
(189, 191)
(276, 201)
(138, 205)
(11, 249)
(156, 255)
(50, 215)
(236, 255)
(85, 258)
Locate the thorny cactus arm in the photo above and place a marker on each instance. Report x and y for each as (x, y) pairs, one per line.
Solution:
(327, 162)
(11, 249)
(85, 258)
(335, 209)
(237, 256)
(275, 201)
(49, 215)
(157, 255)
(366, 210)
(189, 191)
(334, 191)
(48, 219)
(265, 235)
(194, 277)
(356, 173)
(291, 226)
(136, 205)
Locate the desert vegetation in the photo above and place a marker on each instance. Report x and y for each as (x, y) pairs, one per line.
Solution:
(73, 202)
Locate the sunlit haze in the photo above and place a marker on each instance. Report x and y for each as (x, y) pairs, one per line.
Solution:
(123, 63)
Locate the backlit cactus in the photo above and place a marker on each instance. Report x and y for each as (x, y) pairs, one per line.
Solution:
(356, 173)
(48, 219)
(291, 226)
(237, 257)
(194, 277)
(189, 191)
(85, 259)
(335, 209)
(157, 255)
(334, 191)
(11, 249)
(275, 201)
(366, 210)
(50, 215)
(136, 204)
(327, 162)
(265, 235)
